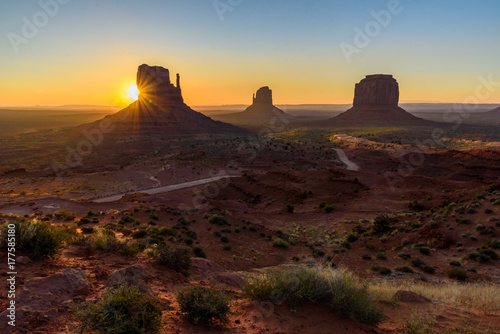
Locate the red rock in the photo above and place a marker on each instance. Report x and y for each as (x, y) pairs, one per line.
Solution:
(376, 102)
(410, 297)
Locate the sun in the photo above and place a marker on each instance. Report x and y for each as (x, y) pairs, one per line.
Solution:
(133, 93)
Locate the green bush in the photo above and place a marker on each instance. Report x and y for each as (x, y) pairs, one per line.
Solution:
(492, 188)
(65, 215)
(176, 258)
(418, 263)
(204, 305)
(280, 243)
(105, 240)
(405, 269)
(381, 270)
(329, 209)
(458, 274)
(139, 234)
(428, 269)
(455, 263)
(381, 223)
(218, 220)
(494, 244)
(339, 289)
(381, 256)
(351, 237)
(425, 250)
(404, 256)
(199, 252)
(35, 239)
(124, 310)
(416, 206)
(289, 208)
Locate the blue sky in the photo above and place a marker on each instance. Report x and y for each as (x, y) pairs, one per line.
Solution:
(89, 51)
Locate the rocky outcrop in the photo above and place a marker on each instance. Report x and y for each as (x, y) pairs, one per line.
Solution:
(154, 86)
(160, 110)
(409, 297)
(264, 96)
(134, 275)
(262, 111)
(494, 111)
(41, 298)
(377, 90)
(376, 99)
(214, 273)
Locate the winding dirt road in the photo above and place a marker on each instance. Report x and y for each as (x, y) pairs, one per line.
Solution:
(165, 189)
(343, 157)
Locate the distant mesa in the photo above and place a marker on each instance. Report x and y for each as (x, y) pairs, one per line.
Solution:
(376, 99)
(494, 112)
(160, 109)
(261, 111)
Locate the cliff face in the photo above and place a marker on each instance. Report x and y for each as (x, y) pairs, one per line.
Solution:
(377, 90)
(160, 109)
(264, 96)
(376, 99)
(154, 85)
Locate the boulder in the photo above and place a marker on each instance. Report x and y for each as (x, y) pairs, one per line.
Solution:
(410, 297)
(134, 275)
(41, 298)
(214, 272)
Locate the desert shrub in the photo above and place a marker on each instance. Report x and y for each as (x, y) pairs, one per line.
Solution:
(480, 227)
(167, 231)
(492, 188)
(416, 206)
(105, 240)
(427, 269)
(218, 220)
(404, 256)
(425, 250)
(489, 252)
(199, 252)
(188, 241)
(366, 257)
(35, 239)
(224, 240)
(123, 310)
(227, 247)
(322, 205)
(458, 274)
(381, 256)
(175, 258)
(494, 244)
(280, 243)
(405, 269)
(381, 223)
(455, 263)
(339, 289)
(318, 253)
(87, 229)
(289, 208)
(65, 215)
(127, 219)
(351, 237)
(329, 209)
(418, 263)
(204, 305)
(463, 221)
(139, 234)
(381, 270)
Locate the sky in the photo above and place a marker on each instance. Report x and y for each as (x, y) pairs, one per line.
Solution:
(69, 52)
